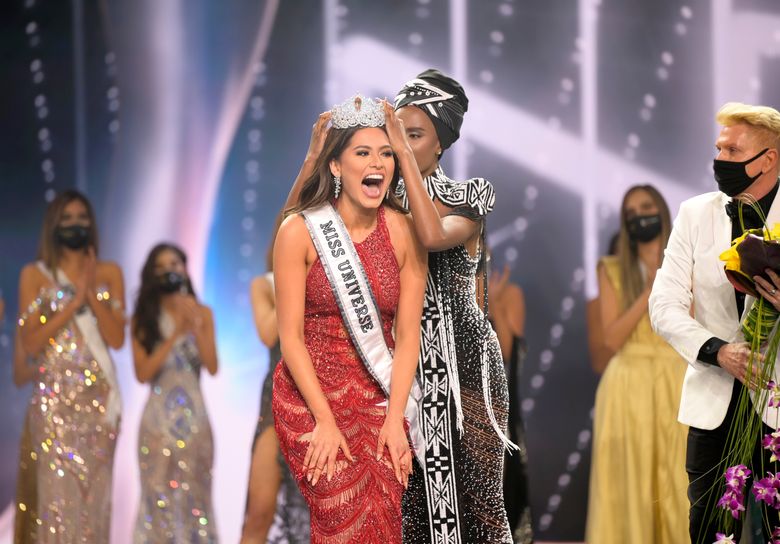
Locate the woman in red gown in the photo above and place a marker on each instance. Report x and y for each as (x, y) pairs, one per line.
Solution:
(346, 443)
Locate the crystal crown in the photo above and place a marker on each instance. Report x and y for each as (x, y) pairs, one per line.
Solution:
(358, 111)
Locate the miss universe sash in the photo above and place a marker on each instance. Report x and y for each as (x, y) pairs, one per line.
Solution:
(359, 309)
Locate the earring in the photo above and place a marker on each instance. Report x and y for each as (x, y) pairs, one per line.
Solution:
(337, 186)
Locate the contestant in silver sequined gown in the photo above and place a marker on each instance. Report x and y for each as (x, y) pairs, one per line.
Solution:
(176, 452)
(67, 457)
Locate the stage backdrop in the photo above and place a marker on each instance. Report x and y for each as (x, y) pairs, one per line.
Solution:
(187, 120)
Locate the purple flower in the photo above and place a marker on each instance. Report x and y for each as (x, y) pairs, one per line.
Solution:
(736, 476)
(771, 442)
(734, 502)
(767, 489)
(723, 539)
(733, 499)
(774, 394)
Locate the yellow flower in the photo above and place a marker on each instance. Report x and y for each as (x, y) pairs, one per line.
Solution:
(731, 255)
(731, 258)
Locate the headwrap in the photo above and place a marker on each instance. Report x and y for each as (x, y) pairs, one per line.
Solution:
(441, 98)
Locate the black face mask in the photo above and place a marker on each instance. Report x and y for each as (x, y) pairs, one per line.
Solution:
(644, 228)
(171, 282)
(732, 176)
(73, 236)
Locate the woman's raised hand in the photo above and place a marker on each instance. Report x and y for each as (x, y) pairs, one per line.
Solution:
(319, 131)
(396, 132)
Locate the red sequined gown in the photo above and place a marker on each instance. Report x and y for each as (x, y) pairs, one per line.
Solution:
(362, 503)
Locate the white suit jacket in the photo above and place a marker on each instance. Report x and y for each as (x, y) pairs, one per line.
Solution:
(692, 275)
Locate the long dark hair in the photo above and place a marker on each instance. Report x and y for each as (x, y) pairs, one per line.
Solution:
(48, 250)
(269, 254)
(628, 257)
(146, 326)
(319, 188)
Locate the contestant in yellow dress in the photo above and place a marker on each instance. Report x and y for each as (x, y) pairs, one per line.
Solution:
(638, 481)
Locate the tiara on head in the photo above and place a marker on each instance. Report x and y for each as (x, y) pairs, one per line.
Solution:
(358, 111)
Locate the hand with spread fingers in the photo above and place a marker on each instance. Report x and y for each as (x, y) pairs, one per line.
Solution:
(770, 291)
(326, 439)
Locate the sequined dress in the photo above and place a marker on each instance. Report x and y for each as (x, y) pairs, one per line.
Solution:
(460, 500)
(362, 503)
(67, 455)
(291, 517)
(176, 452)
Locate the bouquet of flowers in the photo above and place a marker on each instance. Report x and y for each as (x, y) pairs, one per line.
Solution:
(750, 255)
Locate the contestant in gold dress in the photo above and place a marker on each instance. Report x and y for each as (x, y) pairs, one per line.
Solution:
(638, 482)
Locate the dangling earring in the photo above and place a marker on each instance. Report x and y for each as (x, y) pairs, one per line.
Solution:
(337, 186)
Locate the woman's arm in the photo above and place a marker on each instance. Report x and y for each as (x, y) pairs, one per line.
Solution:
(204, 338)
(264, 310)
(600, 354)
(618, 327)
(436, 233)
(23, 371)
(148, 365)
(318, 133)
(291, 249)
(507, 309)
(413, 273)
(36, 331)
(110, 313)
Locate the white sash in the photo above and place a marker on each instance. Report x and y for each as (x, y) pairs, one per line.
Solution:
(86, 322)
(359, 309)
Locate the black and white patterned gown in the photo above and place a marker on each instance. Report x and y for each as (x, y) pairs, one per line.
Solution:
(460, 498)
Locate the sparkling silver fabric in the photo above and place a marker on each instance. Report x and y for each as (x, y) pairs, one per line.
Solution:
(176, 453)
(67, 457)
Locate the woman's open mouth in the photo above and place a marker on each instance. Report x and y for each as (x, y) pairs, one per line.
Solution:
(372, 185)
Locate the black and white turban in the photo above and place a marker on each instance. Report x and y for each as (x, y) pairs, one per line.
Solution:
(441, 98)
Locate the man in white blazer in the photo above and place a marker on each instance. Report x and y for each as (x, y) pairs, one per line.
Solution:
(694, 307)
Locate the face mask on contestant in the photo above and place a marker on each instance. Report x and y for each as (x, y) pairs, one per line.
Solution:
(73, 236)
(644, 228)
(171, 282)
(732, 176)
